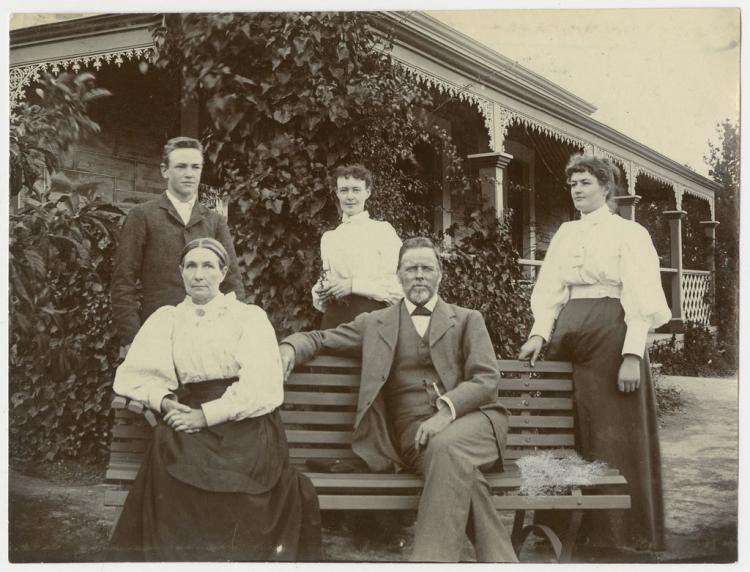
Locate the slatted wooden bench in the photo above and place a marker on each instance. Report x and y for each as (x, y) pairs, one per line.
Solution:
(318, 414)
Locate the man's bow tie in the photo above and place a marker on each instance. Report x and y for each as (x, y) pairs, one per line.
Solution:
(421, 311)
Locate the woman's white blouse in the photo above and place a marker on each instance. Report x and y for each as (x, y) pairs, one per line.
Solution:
(366, 251)
(602, 248)
(222, 339)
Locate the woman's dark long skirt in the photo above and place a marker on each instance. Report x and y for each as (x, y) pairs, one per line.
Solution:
(225, 493)
(618, 428)
(345, 310)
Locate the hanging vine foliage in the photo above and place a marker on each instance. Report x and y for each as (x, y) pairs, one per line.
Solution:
(289, 97)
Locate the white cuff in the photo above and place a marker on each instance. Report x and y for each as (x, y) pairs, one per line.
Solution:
(635, 338)
(155, 397)
(440, 403)
(542, 327)
(215, 412)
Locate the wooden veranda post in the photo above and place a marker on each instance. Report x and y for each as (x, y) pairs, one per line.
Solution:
(676, 324)
(491, 168)
(626, 205)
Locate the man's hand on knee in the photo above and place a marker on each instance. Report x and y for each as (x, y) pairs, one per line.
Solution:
(434, 425)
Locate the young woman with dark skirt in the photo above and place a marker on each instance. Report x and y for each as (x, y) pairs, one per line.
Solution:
(359, 256)
(598, 294)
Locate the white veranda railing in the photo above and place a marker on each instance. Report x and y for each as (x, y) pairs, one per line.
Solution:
(696, 303)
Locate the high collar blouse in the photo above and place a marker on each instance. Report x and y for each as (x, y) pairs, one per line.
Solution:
(366, 251)
(606, 249)
(222, 339)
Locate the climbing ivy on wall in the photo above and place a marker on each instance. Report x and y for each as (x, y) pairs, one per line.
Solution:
(289, 96)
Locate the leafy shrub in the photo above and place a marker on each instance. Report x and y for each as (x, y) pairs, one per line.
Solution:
(484, 274)
(63, 349)
(700, 354)
(62, 241)
(41, 133)
(669, 398)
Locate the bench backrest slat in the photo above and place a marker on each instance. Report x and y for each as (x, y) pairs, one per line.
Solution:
(323, 379)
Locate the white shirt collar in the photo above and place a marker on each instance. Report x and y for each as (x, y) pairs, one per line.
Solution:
(181, 206)
(357, 218)
(430, 305)
(598, 215)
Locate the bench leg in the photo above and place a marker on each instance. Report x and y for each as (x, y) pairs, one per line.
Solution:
(541, 530)
(569, 540)
(516, 534)
(563, 548)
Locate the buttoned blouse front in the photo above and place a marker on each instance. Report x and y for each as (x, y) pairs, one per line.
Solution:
(366, 251)
(602, 249)
(222, 339)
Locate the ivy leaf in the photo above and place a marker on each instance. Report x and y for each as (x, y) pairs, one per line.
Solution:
(282, 116)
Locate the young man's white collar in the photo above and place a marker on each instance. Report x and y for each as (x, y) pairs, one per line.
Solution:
(183, 208)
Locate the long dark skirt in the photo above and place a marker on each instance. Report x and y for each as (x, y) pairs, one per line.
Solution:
(225, 493)
(615, 427)
(348, 308)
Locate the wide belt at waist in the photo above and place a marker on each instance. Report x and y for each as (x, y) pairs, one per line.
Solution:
(197, 393)
(595, 291)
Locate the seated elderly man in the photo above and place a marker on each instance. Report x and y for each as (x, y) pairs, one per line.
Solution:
(427, 402)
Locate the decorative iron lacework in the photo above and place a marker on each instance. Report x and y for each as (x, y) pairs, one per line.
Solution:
(696, 288)
(679, 190)
(703, 196)
(511, 116)
(497, 117)
(641, 170)
(461, 92)
(23, 76)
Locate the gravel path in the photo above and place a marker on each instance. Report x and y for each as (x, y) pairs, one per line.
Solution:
(699, 454)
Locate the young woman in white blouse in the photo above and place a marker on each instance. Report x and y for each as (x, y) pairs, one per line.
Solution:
(359, 257)
(598, 294)
(216, 482)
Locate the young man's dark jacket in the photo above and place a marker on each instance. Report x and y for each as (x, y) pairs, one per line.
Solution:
(151, 242)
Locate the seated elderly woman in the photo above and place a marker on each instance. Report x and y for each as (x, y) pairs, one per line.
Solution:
(216, 483)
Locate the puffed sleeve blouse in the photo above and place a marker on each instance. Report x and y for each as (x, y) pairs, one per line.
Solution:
(222, 339)
(366, 251)
(606, 249)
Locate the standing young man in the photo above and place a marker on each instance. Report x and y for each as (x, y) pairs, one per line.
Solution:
(154, 235)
